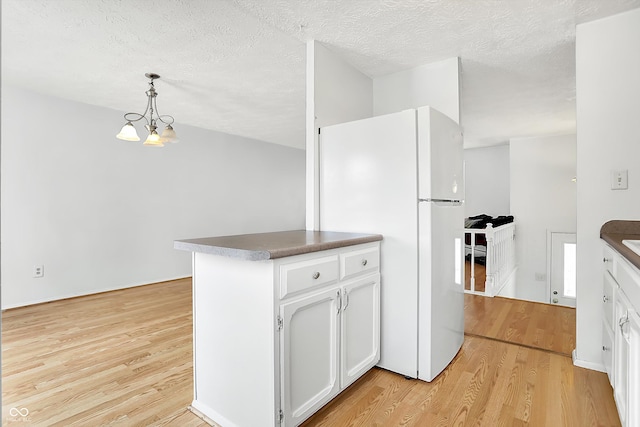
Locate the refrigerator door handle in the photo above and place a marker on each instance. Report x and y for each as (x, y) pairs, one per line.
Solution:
(442, 201)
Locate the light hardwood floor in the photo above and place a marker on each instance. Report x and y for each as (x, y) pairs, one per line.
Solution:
(125, 358)
(117, 358)
(544, 326)
(489, 383)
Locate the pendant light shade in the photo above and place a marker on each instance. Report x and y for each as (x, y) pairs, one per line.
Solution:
(153, 140)
(128, 133)
(169, 135)
(151, 117)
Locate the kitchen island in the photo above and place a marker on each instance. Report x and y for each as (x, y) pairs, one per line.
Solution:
(282, 322)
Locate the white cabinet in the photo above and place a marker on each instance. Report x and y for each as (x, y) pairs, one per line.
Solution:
(621, 334)
(303, 276)
(329, 338)
(633, 384)
(607, 352)
(627, 362)
(309, 354)
(608, 313)
(621, 356)
(275, 340)
(608, 298)
(360, 328)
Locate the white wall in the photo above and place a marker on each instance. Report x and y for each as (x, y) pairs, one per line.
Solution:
(336, 93)
(543, 198)
(102, 214)
(436, 84)
(487, 181)
(608, 113)
(341, 93)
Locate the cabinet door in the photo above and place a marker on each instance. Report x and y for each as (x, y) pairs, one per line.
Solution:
(309, 354)
(607, 351)
(621, 355)
(360, 328)
(633, 399)
(608, 295)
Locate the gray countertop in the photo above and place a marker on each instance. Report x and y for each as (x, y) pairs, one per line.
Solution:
(263, 246)
(614, 232)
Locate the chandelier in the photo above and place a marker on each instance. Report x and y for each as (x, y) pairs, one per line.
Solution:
(128, 131)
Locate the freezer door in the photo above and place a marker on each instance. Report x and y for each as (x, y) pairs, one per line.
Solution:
(440, 164)
(441, 294)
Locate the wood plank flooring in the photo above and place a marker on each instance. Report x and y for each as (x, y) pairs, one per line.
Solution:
(117, 358)
(544, 326)
(125, 358)
(489, 383)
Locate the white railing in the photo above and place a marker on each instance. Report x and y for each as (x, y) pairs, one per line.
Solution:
(500, 258)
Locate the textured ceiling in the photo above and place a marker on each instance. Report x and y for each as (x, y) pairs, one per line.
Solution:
(237, 66)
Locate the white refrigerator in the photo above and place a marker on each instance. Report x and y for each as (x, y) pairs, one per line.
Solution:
(401, 175)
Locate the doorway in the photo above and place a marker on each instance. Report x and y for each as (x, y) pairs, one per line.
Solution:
(562, 277)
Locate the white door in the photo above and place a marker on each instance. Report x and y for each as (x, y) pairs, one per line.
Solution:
(368, 184)
(360, 330)
(607, 353)
(621, 354)
(309, 354)
(609, 287)
(440, 154)
(441, 293)
(563, 269)
(633, 400)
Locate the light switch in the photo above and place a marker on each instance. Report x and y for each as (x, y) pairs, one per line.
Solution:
(619, 180)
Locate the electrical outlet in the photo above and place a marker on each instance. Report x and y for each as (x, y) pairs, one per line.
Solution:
(38, 270)
(540, 277)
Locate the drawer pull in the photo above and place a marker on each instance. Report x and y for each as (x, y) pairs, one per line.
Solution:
(316, 275)
(606, 260)
(605, 298)
(364, 262)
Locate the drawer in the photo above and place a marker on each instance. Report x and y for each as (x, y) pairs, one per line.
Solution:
(306, 275)
(629, 280)
(607, 351)
(609, 256)
(359, 262)
(608, 293)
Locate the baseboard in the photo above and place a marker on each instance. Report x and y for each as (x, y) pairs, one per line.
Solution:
(585, 364)
(199, 410)
(87, 293)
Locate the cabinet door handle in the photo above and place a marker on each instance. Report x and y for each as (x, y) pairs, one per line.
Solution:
(623, 321)
(606, 259)
(316, 275)
(339, 296)
(605, 298)
(605, 348)
(346, 294)
(364, 262)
